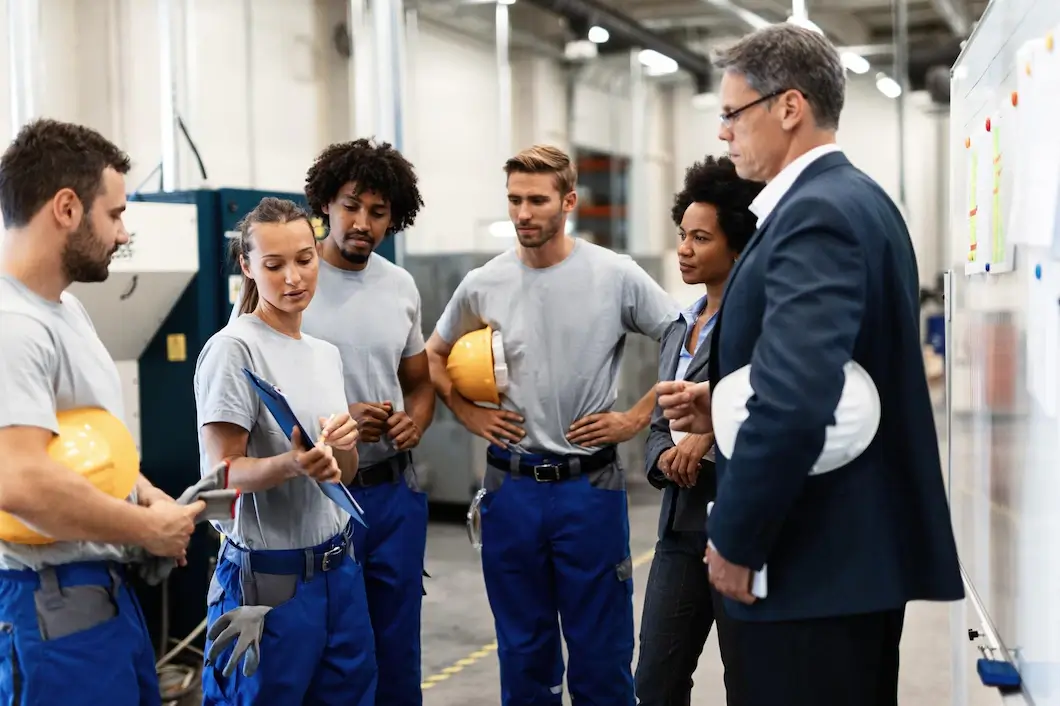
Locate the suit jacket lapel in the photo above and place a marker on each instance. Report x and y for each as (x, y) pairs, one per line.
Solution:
(828, 161)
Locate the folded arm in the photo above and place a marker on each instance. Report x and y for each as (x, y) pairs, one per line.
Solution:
(815, 285)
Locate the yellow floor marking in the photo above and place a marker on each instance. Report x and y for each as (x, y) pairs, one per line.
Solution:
(462, 664)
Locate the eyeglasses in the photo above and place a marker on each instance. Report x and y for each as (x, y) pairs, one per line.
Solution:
(727, 119)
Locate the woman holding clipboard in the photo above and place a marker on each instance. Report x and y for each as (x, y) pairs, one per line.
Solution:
(714, 225)
(289, 548)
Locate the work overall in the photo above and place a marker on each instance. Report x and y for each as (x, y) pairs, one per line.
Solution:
(317, 644)
(74, 634)
(555, 543)
(392, 550)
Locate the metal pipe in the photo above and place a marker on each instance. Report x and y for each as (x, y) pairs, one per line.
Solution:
(504, 81)
(901, 75)
(386, 83)
(633, 32)
(115, 63)
(24, 60)
(248, 80)
(639, 231)
(406, 39)
(168, 97)
(361, 73)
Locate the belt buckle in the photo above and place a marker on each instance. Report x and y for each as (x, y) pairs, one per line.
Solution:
(330, 555)
(540, 472)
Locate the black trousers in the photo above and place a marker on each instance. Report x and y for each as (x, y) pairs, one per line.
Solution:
(679, 611)
(842, 661)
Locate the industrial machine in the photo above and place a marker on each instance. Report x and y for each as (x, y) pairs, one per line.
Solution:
(171, 288)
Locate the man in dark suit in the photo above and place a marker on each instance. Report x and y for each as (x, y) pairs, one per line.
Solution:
(829, 277)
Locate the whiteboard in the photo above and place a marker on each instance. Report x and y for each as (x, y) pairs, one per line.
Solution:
(1003, 312)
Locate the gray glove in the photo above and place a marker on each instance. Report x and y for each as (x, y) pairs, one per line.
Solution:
(210, 489)
(244, 625)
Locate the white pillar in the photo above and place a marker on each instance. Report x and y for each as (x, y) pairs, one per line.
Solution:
(24, 60)
(638, 204)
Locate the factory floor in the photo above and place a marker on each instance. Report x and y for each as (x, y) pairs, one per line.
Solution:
(459, 652)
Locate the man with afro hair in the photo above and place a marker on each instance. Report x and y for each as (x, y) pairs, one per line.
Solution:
(370, 308)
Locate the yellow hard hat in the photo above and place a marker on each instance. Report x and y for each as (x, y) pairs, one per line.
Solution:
(477, 368)
(95, 444)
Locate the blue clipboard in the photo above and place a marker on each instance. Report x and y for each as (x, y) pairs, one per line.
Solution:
(281, 411)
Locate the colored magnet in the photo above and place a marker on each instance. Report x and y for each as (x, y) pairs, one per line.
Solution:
(967, 142)
(1037, 272)
(988, 124)
(1049, 41)
(1015, 99)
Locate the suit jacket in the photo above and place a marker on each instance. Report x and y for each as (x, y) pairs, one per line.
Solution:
(830, 276)
(687, 506)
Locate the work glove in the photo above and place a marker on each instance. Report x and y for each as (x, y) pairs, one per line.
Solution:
(211, 489)
(244, 625)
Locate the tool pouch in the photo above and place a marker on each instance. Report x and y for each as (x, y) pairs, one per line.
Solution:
(64, 611)
(268, 590)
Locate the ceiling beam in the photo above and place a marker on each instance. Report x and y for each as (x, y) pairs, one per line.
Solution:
(956, 14)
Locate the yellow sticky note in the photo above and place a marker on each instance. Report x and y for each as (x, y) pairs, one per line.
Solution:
(176, 348)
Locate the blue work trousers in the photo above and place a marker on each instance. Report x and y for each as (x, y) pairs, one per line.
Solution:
(552, 553)
(76, 638)
(391, 551)
(317, 645)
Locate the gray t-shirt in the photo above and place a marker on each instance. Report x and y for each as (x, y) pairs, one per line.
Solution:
(51, 359)
(564, 330)
(308, 371)
(373, 317)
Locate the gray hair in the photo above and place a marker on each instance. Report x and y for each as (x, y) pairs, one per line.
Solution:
(784, 56)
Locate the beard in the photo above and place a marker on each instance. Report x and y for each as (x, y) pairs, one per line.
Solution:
(544, 235)
(354, 256)
(84, 257)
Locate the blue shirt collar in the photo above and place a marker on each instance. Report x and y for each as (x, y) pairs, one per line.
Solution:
(692, 313)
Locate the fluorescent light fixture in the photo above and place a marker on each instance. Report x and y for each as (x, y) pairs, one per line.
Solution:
(854, 62)
(656, 64)
(598, 35)
(505, 2)
(888, 86)
(805, 24)
(580, 50)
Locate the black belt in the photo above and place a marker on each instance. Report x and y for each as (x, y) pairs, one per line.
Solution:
(388, 471)
(550, 469)
(293, 562)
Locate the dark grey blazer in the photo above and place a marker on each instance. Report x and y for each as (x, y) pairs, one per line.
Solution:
(687, 505)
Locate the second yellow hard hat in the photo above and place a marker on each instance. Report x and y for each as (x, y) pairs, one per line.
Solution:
(477, 366)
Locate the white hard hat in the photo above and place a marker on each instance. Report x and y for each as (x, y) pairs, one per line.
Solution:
(857, 416)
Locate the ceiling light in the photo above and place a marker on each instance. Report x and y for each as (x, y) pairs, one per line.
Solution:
(598, 35)
(888, 86)
(854, 62)
(656, 64)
